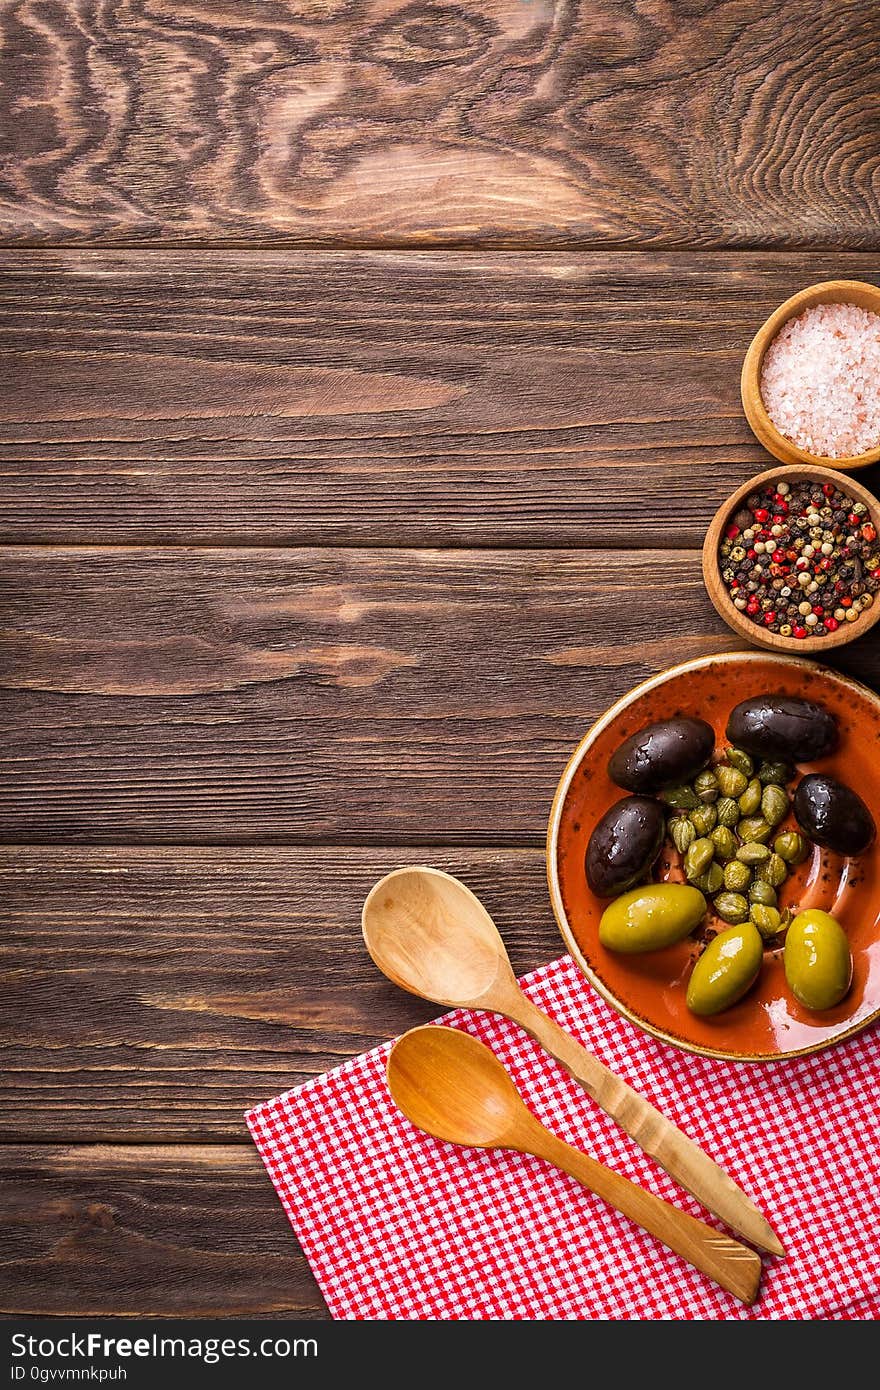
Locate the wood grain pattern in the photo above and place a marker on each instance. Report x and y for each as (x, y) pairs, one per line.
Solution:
(427, 399)
(300, 696)
(156, 994)
(400, 122)
(152, 1230)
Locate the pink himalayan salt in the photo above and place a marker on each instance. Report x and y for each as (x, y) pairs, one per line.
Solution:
(821, 380)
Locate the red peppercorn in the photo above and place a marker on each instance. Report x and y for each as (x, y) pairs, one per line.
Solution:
(769, 618)
(869, 532)
(832, 624)
(762, 515)
(854, 518)
(732, 532)
(800, 632)
(818, 609)
(826, 564)
(752, 554)
(828, 489)
(791, 555)
(753, 607)
(779, 557)
(846, 601)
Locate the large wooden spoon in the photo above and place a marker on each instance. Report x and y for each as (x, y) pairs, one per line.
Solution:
(450, 1085)
(429, 934)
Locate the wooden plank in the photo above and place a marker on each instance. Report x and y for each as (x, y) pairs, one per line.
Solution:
(495, 123)
(147, 1230)
(301, 696)
(500, 400)
(156, 994)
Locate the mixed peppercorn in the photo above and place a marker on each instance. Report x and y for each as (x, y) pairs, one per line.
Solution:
(801, 558)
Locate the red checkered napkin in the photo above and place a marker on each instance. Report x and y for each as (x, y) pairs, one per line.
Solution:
(398, 1225)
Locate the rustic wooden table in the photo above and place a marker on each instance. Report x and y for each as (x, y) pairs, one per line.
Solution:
(369, 379)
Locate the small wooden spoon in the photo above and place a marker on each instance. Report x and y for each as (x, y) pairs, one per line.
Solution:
(450, 1085)
(430, 935)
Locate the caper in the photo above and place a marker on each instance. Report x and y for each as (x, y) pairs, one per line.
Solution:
(727, 811)
(766, 919)
(737, 876)
(683, 833)
(706, 786)
(724, 841)
(698, 858)
(711, 881)
(752, 853)
(774, 804)
(750, 799)
(780, 773)
(791, 847)
(681, 798)
(731, 781)
(732, 908)
(703, 819)
(772, 871)
(763, 893)
(754, 828)
(739, 758)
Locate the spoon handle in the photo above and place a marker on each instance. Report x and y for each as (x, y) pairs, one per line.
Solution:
(652, 1131)
(735, 1267)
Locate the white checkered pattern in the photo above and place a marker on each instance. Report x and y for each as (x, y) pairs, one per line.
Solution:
(398, 1225)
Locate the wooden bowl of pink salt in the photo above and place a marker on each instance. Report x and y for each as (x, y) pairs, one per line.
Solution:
(811, 377)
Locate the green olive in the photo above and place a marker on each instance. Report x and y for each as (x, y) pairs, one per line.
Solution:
(818, 963)
(726, 969)
(649, 918)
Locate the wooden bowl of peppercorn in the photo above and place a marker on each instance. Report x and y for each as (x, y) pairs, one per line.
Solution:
(791, 554)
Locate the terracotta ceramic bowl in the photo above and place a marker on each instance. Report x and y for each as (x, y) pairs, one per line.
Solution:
(768, 1024)
(720, 596)
(828, 292)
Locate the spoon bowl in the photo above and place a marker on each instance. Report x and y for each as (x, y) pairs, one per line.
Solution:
(429, 934)
(450, 1085)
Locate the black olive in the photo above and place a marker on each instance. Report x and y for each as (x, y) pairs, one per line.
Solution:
(783, 728)
(662, 755)
(833, 815)
(624, 845)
